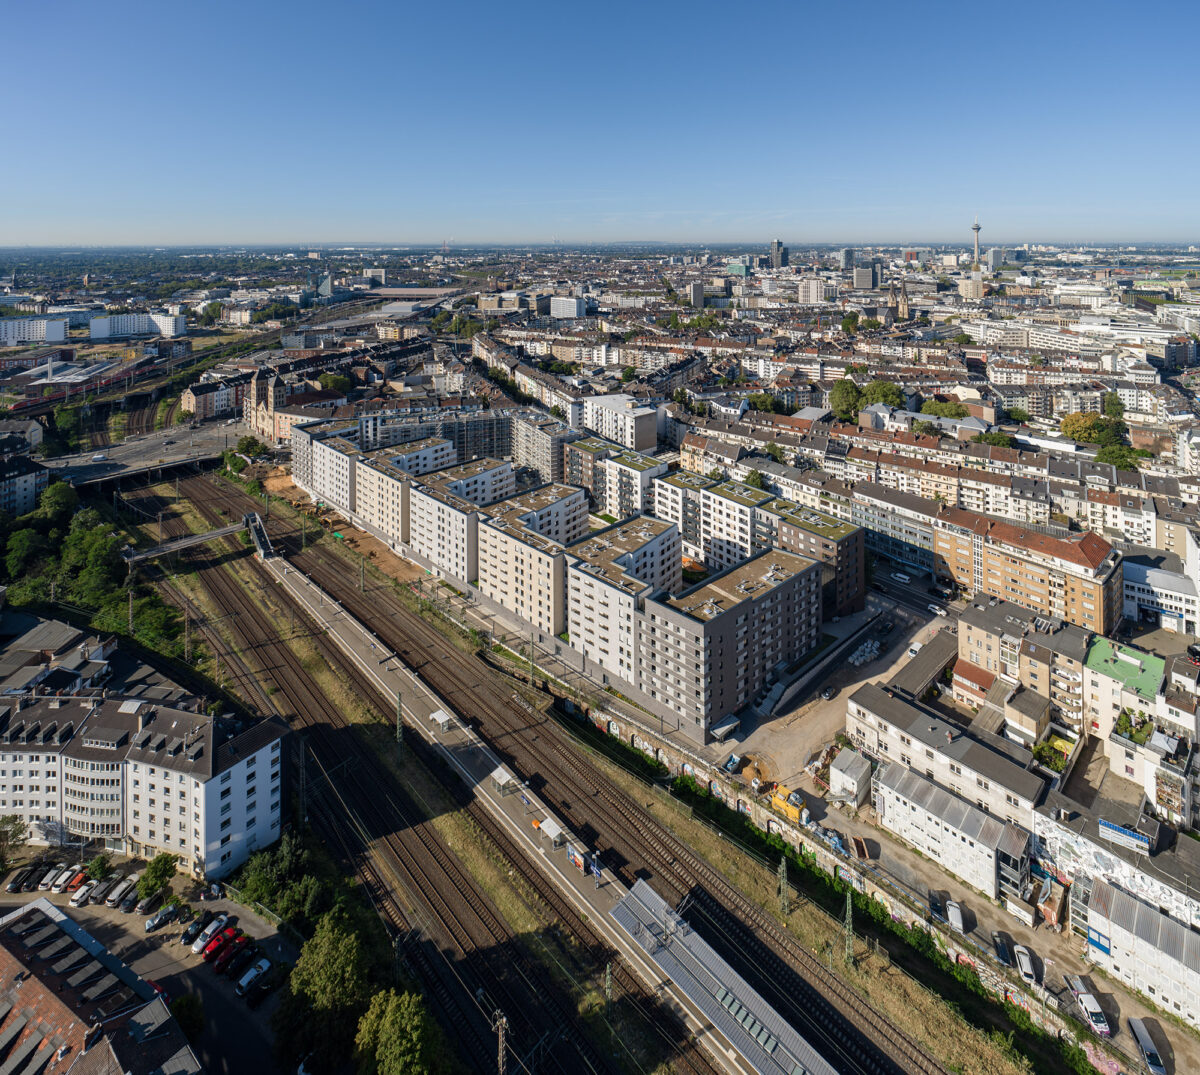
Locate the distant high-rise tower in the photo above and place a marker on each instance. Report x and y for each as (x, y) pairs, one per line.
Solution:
(975, 229)
(779, 255)
(846, 261)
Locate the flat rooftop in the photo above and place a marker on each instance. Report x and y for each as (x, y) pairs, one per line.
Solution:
(737, 492)
(512, 516)
(1138, 671)
(749, 580)
(684, 479)
(635, 460)
(600, 552)
(594, 445)
(809, 519)
(462, 471)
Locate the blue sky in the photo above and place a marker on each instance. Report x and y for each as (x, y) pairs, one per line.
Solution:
(521, 122)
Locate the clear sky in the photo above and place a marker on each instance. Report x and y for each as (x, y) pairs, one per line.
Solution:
(387, 121)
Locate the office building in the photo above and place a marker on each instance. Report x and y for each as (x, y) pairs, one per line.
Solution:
(622, 419)
(995, 258)
(695, 293)
(115, 326)
(811, 290)
(141, 778)
(846, 259)
(15, 331)
(567, 307)
(778, 254)
(864, 278)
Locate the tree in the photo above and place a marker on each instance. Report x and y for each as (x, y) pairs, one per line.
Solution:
(628, 374)
(717, 474)
(870, 324)
(24, 547)
(396, 1036)
(850, 324)
(188, 1010)
(100, 867)
(845, 400)
(1122, 456)
(58, 502)
(332, 971)
(1000, 440)
(680, 397)
(13, 834)
(775, 452)
(1018, 414)
(558, 412)
(1113, 407)
(944, 410)
(929, 428)
(252, 446)
(335, 382)
(157, 874)
(887, 392)
(1093, 429)
(754, 479)
(963, 339)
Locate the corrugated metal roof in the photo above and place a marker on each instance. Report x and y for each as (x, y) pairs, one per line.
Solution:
(1148, 924)
(761, 1036)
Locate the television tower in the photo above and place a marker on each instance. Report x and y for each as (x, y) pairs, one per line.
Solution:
(975, 229)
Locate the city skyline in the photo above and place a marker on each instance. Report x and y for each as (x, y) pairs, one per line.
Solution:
(285, 126)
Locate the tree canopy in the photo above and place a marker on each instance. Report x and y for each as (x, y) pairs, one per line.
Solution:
(1000, 440)
(396, 1036)
(1018, 414)
(887, 392)
(944, 410)
(754, 479)
(1084, 428)
(13, 834)
(1122, 456)
(775, 452)
(850, 324)
(1113, 407)
(845, 400)
(335, 382)
(157, 874)
(331, 972)
(628, 374)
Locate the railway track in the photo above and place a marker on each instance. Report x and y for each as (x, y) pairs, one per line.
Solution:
(410, 855)
(846, 1028)
(139, 420)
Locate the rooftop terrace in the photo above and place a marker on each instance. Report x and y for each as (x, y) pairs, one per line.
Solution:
(750, 580)
(1138, 671)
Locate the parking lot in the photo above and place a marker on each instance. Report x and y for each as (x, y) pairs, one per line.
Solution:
(236, 1039)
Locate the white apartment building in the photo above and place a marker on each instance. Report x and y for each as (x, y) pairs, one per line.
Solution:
(729, 529)
(19, 330)
(624, 483)
(141, 779)
(811, 290)
(520, 560)
(607, 573)
(482, 481)
(444, 529)
(114, 326)
(619, 418)
(677, 500)
(991, 855)
(569, 307)
(889, 727)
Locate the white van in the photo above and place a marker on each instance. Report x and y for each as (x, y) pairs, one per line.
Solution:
(1094, 1014)
(121, 890)
(954, 915)
(99, 457)
(1146, 1046)
(900, 576)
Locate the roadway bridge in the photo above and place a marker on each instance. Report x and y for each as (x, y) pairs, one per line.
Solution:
(252, 522)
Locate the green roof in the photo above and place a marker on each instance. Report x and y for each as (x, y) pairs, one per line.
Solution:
(594, 444)
(806, 518)
(636, 461)
(746, 495)
(1138, 671)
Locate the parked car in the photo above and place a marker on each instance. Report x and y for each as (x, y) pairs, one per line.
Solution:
(50, 876)
(162, 917)
(1146, 1046)
(1094, 1015)
(130, 900)
(263, 988)
(208, 933)
(17, 881)
(34, 877)
(914, 649)
(148, 903)
(66, 877)
(83, 894)
(886, 627)
(901, 577)
(954, 916)
(195, 928)
(253, 975)
(240, 960)
(103, 888)
(937, 610)
(828, 693)
(1001, 947)
(220, 942)
(120, 890)
(78, 881)
(1025, 968)
(225, 956)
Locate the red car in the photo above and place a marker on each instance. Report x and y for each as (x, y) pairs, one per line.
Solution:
(213, 948)
(77, 880)
(228, 952)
